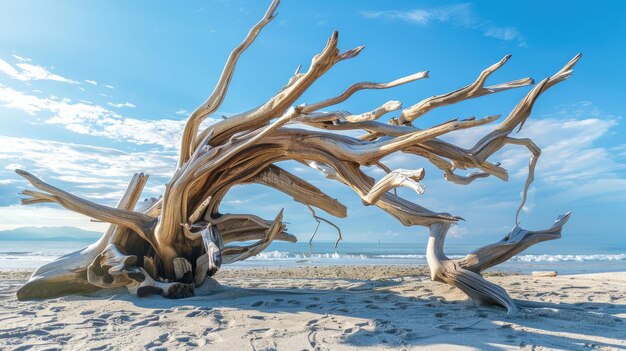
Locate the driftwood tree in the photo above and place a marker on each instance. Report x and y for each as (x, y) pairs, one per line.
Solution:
(174, 243)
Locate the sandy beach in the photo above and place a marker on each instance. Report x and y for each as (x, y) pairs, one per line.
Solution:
(324, 308)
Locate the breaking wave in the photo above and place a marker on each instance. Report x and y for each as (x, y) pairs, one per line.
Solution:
(570, 258)
(285, 256)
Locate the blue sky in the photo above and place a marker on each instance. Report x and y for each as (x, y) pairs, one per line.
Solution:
(92, 92)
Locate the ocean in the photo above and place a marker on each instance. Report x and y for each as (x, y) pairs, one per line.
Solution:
(28, 255)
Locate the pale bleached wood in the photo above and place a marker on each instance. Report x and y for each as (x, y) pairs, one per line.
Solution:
(148, 265)
(214, 101)
(544, 274)
(68, 274)
(203, 264)
(239, 253)
(474, 90)
(396, 178)
(464, 273)
(301, 191)
(319, 221)
(169, 245)
(182, 267)
(213, 246)
(110, 269)
(246, 227)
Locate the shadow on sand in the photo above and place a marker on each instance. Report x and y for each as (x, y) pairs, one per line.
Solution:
(393, 320)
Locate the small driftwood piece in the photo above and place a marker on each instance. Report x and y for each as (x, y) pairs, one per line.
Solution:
(544, 274)
(168, 246)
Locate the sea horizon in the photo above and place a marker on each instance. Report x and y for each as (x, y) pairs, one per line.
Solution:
(567, 259)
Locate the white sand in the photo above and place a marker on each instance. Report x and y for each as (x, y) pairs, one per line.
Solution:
(324, 308)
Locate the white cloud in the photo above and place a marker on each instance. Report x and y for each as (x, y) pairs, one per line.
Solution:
(570, 154)
(573, 159)
(460, 15)
(13, 166)
(504, 33)
(108, 86)
(122, 104)
(21, 59)
(97, 173)
(182, 112)
(619, 151)
(96, 120)
(31, 72)
(82, 167)
(92, 82)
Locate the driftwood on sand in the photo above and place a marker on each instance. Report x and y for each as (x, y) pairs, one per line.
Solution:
(169, 245)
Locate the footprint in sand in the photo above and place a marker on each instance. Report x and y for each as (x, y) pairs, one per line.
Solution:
(123, 318)
(146, 320)
(198, 313)
(52, 327)
(96, 322)
(27, 313)
(158, 342)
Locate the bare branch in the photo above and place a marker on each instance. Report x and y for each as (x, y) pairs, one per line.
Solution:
(397, 178)
(219, 92)
(299, 189)
(474, 90)
(138, 222)
(279, 103)
(319, 219)
(361, 86)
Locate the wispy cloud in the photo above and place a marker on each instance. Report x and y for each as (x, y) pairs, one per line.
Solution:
(458, 15)
(21, 59)
(89, 119)
(27, 72)
(504, 33)
(97, 172)
(122, 104)
(100, 174)
(573, 153)
(619, 150)
(89, 81)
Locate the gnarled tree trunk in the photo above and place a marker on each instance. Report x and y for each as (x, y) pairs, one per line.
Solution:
(181, 239)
